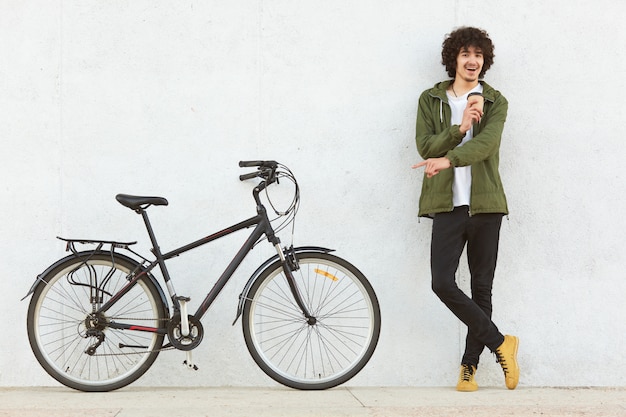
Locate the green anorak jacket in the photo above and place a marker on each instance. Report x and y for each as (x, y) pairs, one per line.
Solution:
(436, 138)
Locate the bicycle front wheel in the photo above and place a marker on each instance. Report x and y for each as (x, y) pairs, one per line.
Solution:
(312, 354)
(77, 347)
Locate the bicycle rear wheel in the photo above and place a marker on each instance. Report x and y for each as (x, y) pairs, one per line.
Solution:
(62, 327)
(319, 354)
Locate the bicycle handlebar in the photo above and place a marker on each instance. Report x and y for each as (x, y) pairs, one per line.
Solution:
(247, 164)
(270, 172)
(266, 170)
(249, 176)
(260, 164)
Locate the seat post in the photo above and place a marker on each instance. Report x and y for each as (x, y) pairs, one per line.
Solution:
(155, 246)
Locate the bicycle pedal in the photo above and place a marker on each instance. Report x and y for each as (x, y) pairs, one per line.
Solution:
(190, 366)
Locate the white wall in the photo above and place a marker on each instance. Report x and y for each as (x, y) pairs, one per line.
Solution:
(164, 97)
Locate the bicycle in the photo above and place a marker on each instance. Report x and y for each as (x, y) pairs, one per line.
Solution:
(98, 318)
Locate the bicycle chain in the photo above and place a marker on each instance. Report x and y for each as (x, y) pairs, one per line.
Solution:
(135, 318)
(136, 353)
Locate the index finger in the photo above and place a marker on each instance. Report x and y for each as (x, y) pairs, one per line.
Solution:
(421, 164)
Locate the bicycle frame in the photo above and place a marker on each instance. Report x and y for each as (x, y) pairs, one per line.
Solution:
(262, 228)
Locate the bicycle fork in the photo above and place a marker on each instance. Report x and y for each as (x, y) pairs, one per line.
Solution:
(290, 263)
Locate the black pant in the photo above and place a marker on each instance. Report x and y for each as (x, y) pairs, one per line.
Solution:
(481, 232)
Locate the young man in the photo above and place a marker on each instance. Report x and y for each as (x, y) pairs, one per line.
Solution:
(458, 131)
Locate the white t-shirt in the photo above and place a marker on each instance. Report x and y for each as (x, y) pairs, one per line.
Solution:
(462, 186)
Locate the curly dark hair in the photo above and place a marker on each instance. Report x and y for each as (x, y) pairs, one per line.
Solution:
(463, 38)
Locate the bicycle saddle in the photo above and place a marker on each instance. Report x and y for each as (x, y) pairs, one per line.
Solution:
(136, 202)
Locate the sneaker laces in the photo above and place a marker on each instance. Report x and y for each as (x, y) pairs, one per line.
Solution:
(502, 361)
(468, 371)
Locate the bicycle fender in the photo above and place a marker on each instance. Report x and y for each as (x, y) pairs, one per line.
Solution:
(265, 265)
(39, 279)
(33, 287)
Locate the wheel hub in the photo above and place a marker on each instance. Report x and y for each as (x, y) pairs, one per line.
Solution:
(96, 322)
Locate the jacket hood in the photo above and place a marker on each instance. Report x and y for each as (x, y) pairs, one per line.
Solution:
(439, 90)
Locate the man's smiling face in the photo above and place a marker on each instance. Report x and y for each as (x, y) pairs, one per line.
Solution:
(469, 64)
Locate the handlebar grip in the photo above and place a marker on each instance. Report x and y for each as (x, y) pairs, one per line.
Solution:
(249, 176)
(248, 164)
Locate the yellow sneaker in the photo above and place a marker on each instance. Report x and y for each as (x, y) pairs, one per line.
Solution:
(467, 383)
(506, 356)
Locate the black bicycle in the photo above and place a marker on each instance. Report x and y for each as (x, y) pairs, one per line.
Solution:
(98, 318)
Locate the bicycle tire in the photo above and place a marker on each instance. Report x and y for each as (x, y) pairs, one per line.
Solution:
(312, 356)
(57, 329)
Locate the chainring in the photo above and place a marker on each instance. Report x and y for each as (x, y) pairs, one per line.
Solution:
(189, 342)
